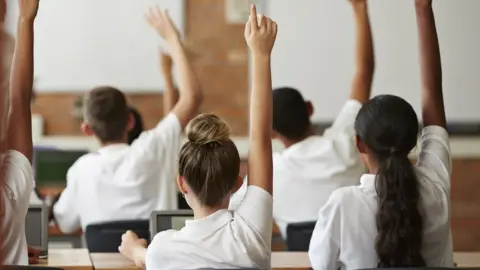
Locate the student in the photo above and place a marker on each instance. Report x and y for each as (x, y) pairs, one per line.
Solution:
(312, 167)
(18, 182)
(399, 216)
(137, 128)
(119, 181)
(208, 174)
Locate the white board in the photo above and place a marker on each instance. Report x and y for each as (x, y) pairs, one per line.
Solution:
(314, 52)
(80, 44)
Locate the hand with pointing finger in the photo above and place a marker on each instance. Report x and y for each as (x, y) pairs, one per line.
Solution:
(260, 33)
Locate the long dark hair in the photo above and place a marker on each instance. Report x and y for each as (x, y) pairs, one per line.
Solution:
(388, 126)
(137, 128)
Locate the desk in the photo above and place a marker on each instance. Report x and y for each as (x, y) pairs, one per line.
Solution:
(280, 261)
(68, 259)
(467, 259)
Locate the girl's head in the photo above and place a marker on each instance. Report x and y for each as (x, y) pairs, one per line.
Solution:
(387, 130)
(209, 164)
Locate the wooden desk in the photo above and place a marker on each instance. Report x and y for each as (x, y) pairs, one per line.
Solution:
(280, 261)
(467, 259)
(68, 259)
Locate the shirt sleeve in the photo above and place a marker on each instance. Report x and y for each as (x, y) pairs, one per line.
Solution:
(435, 154)
(256, 210)
(344, 123)
(65, 210)
(324, 247)
(19, 180)
(164, 139)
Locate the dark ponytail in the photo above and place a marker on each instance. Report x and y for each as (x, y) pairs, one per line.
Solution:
(399, 222)
(387, 125)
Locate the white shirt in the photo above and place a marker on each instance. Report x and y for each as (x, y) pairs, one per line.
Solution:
(346, 230)
(306, 173)
(19, 184)
(225, 239)
(122, 182)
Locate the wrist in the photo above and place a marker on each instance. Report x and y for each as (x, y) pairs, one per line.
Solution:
(25, 20)
(261, 57)
(422, 6)
(359, 5)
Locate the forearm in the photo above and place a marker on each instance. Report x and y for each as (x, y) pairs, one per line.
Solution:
(430, 67)
(170, 94)
(188, 82)
(21, 82)
(139, 256)
(364, 54)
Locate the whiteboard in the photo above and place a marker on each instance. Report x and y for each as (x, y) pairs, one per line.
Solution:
(314, 52)
(81, 44)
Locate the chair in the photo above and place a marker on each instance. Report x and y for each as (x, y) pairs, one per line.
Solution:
(106, 237)
(27, 267)
(298, 235)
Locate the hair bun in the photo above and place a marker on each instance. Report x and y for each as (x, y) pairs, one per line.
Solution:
(207, 128)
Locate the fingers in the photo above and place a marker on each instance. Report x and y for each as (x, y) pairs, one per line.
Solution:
(253, 19)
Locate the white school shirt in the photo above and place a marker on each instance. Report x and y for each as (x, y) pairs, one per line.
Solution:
(19, 184)
(345, 233)
(306, 173)
(122, 182)
(225, 239)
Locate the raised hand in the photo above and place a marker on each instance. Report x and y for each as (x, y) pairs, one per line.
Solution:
(260, 33)
(27, 9)
(160, 21)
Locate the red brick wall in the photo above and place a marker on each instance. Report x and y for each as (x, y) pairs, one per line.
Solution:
(220, 61)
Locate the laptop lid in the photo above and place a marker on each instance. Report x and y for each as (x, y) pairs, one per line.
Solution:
(36, 226)
(167, 220)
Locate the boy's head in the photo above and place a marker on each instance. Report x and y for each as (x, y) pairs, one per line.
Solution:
(106, 115)
(291, 114)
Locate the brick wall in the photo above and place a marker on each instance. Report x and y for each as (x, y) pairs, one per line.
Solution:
(220, 61)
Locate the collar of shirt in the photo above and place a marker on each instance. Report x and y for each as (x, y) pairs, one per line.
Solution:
(210, 223)
(112, 148)
(367, 184)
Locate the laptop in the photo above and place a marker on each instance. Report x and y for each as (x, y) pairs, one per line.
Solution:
(36, 228)
(167, 220)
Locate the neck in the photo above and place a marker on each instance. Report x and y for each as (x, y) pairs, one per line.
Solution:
(200, 212)
(288, 142)
(104, 144)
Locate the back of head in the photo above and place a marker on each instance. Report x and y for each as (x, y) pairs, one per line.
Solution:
(291, 118)
(106, 112)
(388, 126)
(209, 161)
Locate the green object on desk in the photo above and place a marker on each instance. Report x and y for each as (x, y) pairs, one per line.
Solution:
(51, 166)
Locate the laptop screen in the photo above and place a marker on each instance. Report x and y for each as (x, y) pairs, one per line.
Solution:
(51, 165)
(34, 227)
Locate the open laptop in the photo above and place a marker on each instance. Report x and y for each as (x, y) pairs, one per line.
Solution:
(167, 220)
(36, 228)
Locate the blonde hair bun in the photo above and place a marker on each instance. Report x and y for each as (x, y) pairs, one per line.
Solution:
(207, 128)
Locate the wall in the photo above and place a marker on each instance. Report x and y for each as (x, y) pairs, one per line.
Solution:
(220, 61)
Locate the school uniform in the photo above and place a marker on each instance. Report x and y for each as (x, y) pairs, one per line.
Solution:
(306, 173)
(17, 187)
(224, 239)
(345, 233)
(122, 182)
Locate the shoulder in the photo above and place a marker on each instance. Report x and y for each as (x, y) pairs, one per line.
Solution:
(84, 162)
(160, 243)
(19, 178)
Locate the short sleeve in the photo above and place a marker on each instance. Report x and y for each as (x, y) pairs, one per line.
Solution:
(164, 139)
(256, 210)
(435, 154)
(344, 123)
(65, 210)
(19, 178)
(324, 247)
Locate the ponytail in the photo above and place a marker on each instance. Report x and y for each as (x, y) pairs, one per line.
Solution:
(398, 219)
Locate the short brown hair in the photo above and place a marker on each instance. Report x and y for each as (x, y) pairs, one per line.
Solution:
(209, 161)
(106, 112)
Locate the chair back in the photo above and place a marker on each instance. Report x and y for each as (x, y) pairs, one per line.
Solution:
(106, 237)
(298, 235)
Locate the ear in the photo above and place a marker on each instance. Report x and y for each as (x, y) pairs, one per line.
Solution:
(182, 185)
(310, 109)
(361, 146)
(86, 129)
(238, 184)
(131, 122)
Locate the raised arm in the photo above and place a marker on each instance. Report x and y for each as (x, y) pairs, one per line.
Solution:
(21, 82)
(364, 54)
(170, 95)
(260, 38)
(190, 92)
(433, 111)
